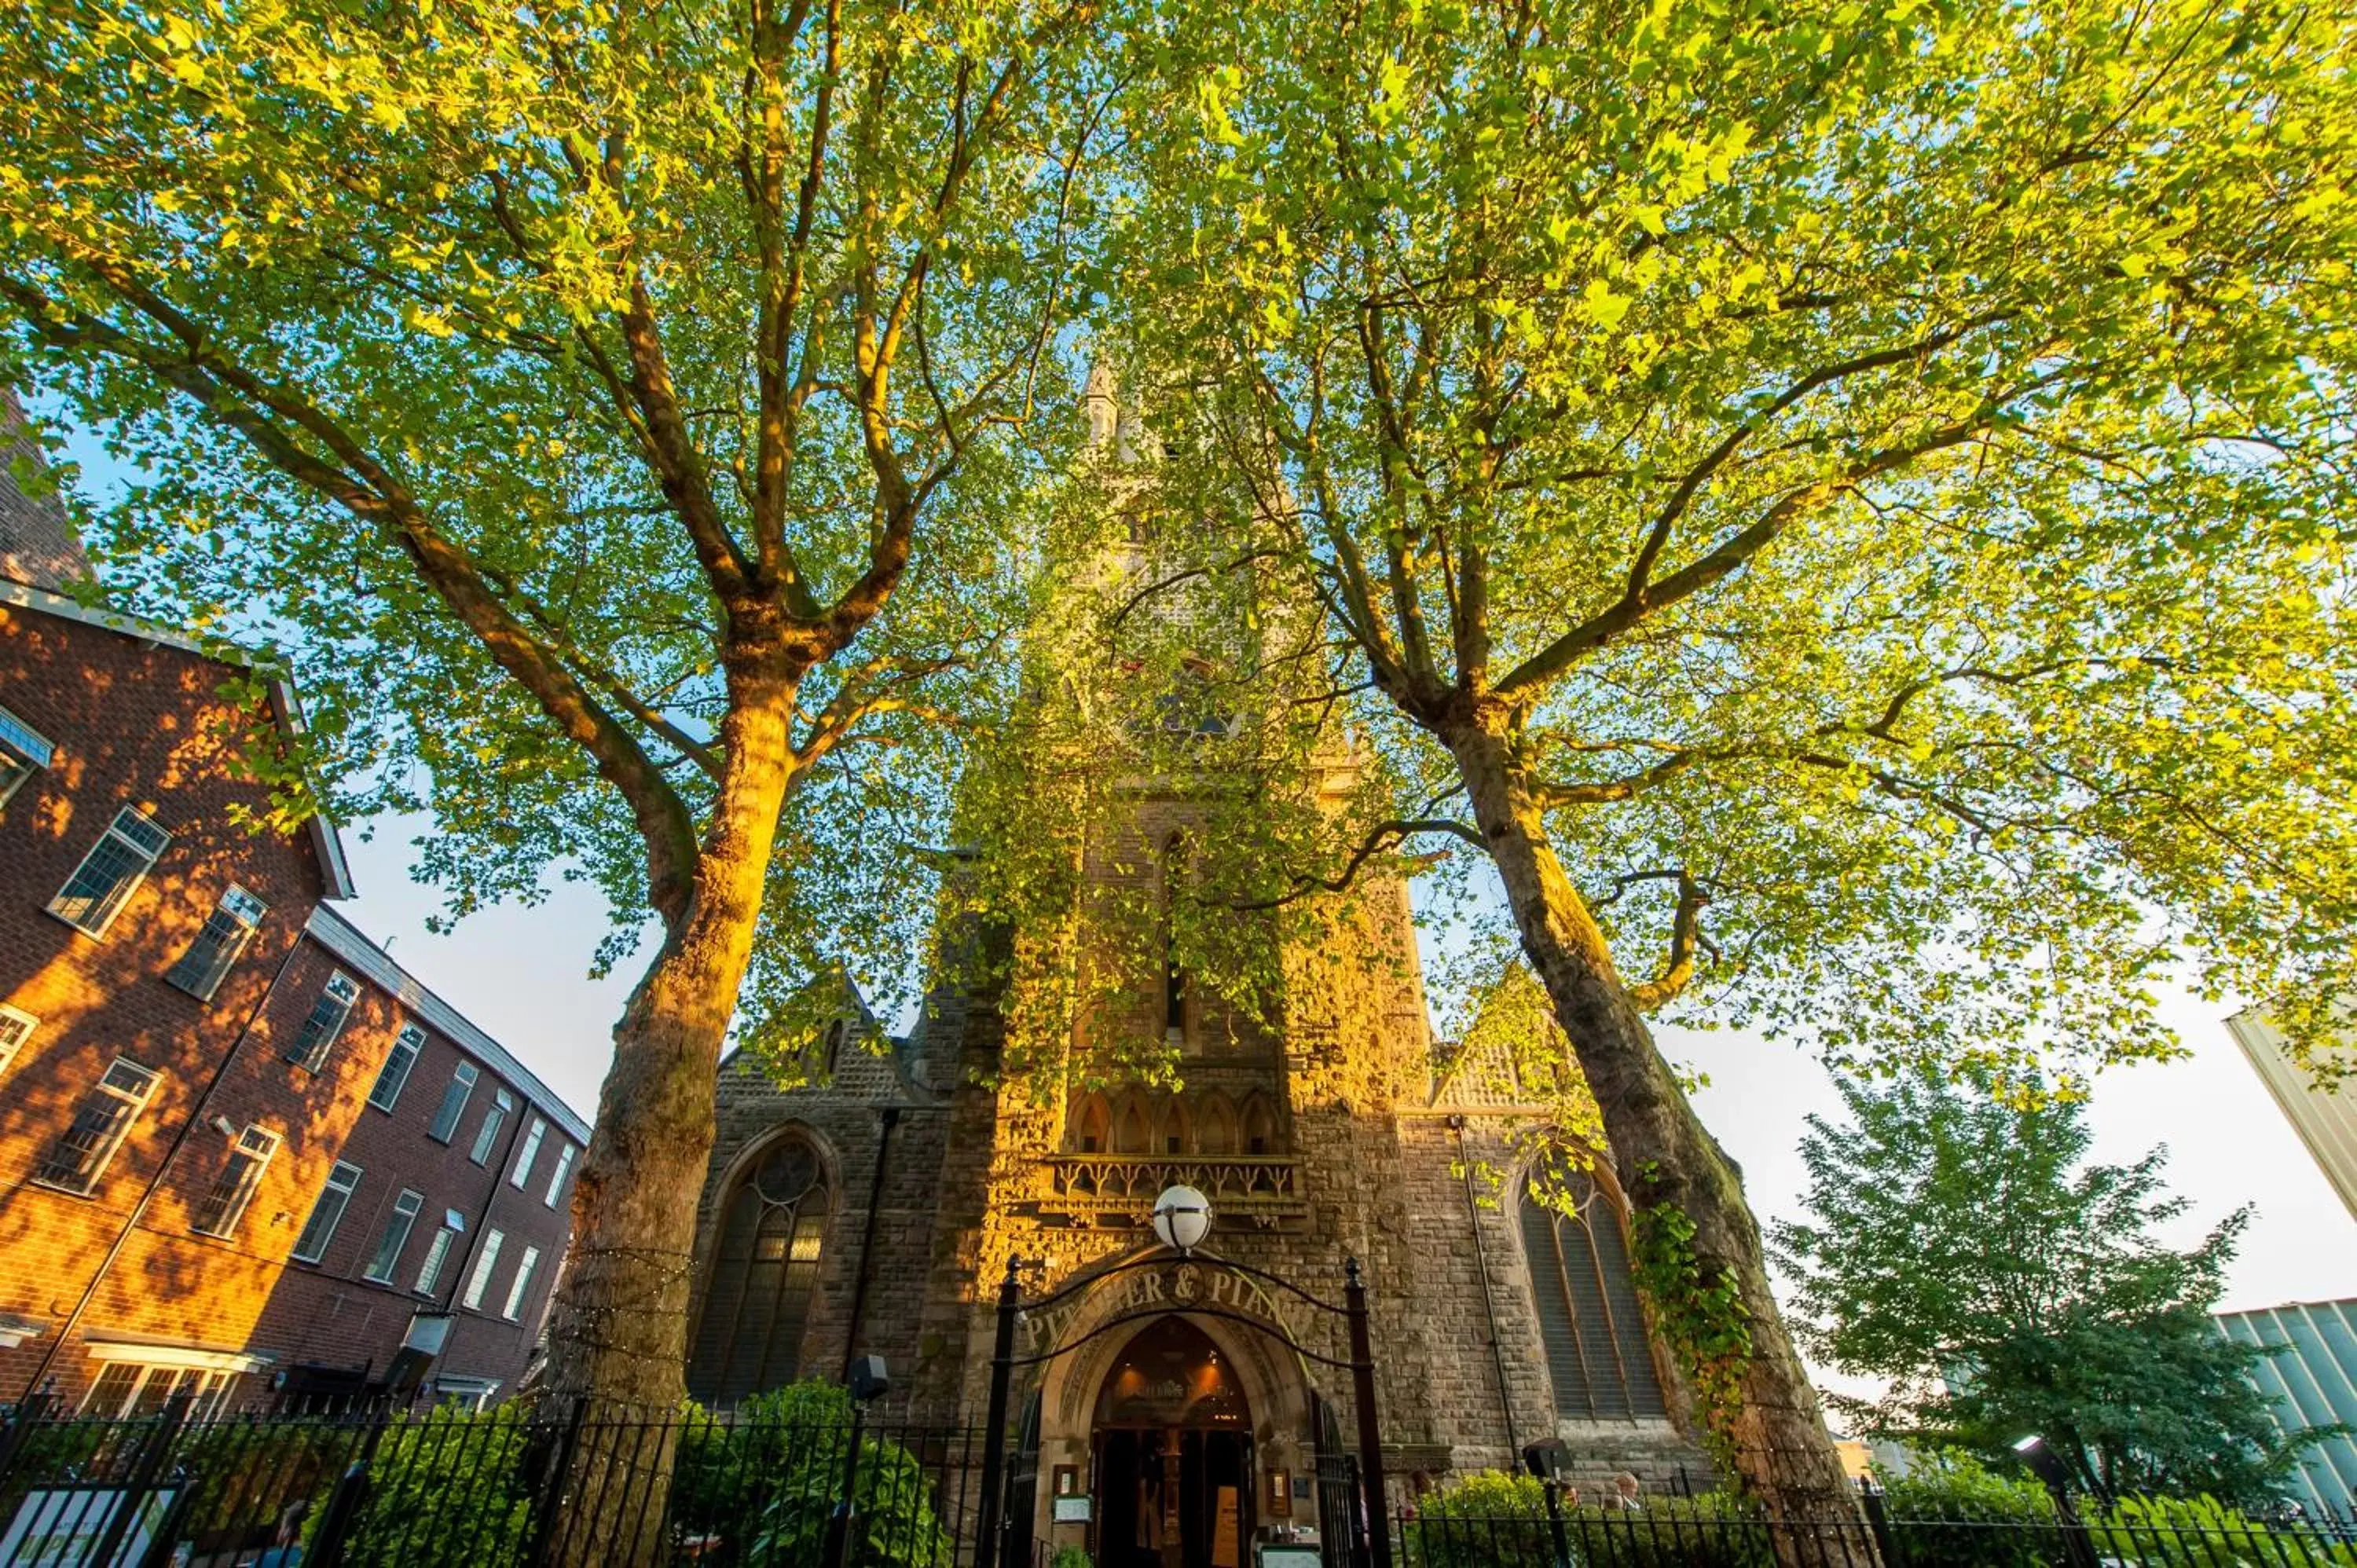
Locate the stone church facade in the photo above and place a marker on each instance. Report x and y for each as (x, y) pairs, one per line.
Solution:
(875, 1210)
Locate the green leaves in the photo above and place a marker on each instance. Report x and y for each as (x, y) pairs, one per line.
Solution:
(1957, 1249)
(407, 310)
(1926, 422)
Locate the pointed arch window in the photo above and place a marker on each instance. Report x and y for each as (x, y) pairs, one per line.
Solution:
(757, 1299)
(1170, 1129)
(1259, 1128)
(1598, 1356)
(1215, 1126)
(1132, 1134)
(1095, 1126)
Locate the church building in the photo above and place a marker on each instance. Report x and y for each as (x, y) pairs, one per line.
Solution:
(1163, 1416)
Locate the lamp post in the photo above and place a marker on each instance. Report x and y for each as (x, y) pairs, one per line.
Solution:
(2047, 1466)
(868, 1383)
(1183, 1217)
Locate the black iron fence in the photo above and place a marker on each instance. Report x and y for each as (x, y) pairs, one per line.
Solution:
(1715, 1530)
(764, 1487)
(505, 1488)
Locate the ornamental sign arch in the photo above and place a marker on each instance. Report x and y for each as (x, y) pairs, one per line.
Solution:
(1125, 1296)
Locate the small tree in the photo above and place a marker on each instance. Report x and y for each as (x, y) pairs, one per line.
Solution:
(1960, 1250)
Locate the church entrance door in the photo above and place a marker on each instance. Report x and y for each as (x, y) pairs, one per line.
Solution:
(1170, 1456)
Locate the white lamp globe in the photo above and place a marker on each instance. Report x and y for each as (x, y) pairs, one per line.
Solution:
(1183, 1217)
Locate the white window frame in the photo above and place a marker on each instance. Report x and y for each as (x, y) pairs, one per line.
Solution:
(565, 1158)
(249, 1159)
(495, 1121)
(229, 928)
(343, 1183)
(520, 1286)
(131, 829)
(405, 1209)
(437, 1256)
(407, 1047)
(210, 1387)
(486, 1262)
(521, 1178)
(338, 997)
(453, 1109)
(472, 1395)
(16, 1027)
(136, 1097)
(24, 751)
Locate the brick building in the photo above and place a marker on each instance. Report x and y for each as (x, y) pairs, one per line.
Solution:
(241, 1150)
(875, 1210)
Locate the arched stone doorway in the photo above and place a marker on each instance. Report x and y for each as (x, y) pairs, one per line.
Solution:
(1171, 1455)
(1081, 1348)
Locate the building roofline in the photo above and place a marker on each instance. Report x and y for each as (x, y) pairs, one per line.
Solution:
(336, 870)
(339, 936)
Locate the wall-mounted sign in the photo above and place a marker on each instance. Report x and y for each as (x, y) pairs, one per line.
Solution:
(1072, 1509)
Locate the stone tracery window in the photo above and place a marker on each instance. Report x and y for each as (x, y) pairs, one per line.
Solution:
(1598, 1356)
(756, 1298)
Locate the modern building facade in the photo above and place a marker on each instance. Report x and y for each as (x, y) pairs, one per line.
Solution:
(2312, 1379)
(876, 1210)
(2325, 1119)
(242, 1152)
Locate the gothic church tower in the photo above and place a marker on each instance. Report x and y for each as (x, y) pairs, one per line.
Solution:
(878, 1210)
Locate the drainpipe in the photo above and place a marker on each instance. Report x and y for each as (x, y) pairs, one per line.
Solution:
(890, 1117)
(1489, 1299)
(156, 1182)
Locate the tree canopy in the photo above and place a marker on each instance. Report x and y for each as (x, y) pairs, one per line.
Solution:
(498, 364)
(1891, 465)
(1960, 1248)
(1844, 505)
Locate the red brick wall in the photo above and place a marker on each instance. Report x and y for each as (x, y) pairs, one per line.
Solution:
(325, 1313)
(145, 726)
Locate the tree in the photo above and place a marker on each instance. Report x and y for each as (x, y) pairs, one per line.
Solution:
(1959, 1249)
(1844, 500)
(571, 387)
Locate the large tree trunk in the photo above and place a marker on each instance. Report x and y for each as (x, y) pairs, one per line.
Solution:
(617, 1335)
(1765, 1410)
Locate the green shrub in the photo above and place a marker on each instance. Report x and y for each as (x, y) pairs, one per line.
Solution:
(448, 1487)
(760, 1488)
(243, 1475)
(1492, 1520)
(2203, 1532)
(894, 1525)
(1953, 1511)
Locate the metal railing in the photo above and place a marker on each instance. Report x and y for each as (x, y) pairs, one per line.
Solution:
(1239, 1186)
(506, 1489)
(1715, 1530)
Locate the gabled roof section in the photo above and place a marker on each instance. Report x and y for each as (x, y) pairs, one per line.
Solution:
(334, 868)
(37, 542)
(348, 943)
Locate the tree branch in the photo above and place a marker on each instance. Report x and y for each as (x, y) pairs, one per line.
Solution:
(1685, 937)
(245, 404)
(1384, 836)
